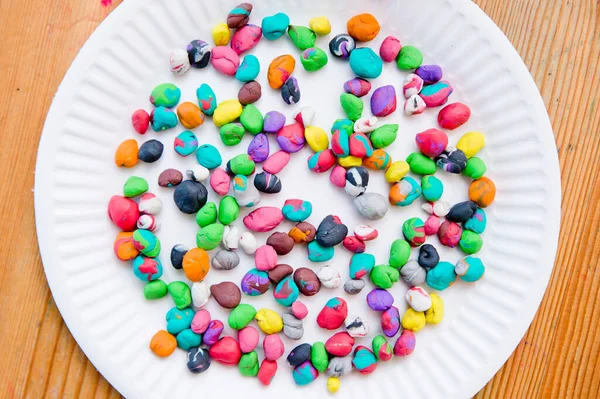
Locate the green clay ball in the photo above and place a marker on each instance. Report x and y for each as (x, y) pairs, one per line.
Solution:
(302, 37)
(229, 210)
(384, 136)
(399, 253)
(207, 214)
(241, 165)
(165, 95)
(421, 164)
(409, 58)
(248, 364)
(181, 294)
(432, 188)
(155, 289)
(470, 242)
(384, 276)
(231, 134)
(319, 357)
(188, 339)
(252, 119)
(352, 106)
(210, 236)
(313, 59)
(441, 276)
(475, 168)
(135, 186)
(241, 316)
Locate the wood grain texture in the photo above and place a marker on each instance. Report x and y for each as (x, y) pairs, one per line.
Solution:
(558, 357)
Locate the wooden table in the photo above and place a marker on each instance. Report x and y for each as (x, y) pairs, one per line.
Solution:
(558, 357)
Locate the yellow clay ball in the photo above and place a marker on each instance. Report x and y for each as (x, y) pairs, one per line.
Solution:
(316, 138)
(413, 320)
(350, 161)
(333, 384)
(320, 25)
(269, 321)
(221, 34)
(435, 313)
(471, 143)
(396, 171)
(227, 112)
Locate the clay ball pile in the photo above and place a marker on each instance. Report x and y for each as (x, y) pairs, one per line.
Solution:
(354, 148)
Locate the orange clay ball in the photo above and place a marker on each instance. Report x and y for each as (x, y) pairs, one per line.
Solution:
(363, 27)
(280, 70)
(123, 246)
(482, 191)
(379, 160)
(196, 264)
(127, 154)
(189, 115)
(163, 344)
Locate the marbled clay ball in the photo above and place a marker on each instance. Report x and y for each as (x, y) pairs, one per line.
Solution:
(255, 282)
(303, 233)
(267, 183)
(282, 243)
(449, 233)
(383, 101)
(199, 53)
(290, 91)
(342, 45)
(307, 281)
(452, 160)
(358, 87)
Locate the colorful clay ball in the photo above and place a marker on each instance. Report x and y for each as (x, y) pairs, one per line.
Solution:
(469, 269)
(420, 164)
(384, 276)
(390, 321)
(379, 160)
(437, 94)
(275, 26)
(313, 59)
(147, 269)
(449, 233)
(405, 192)
(150, 151)
(226, 351)
(333, 314)
(475, 168)
(255, 282)
(432, 188)
(322, 161)
(199, 53)
(250, 93)
(206, 99)
(382, 349)
(363, 27)
(248, 69)
(258, 149)
(409, 58)
(286, 292)
(365, 63)
(290, 91)
(299, 354)
(307, 281)
(225, 60)
(358, 87)
(470, 242)
(245, 38)
(364, 360)
(390, 48)
(405, 344)
(239, 16)
(477, 222)
(413, 231)
(357, 180)
(383, 101)
(342, 45)
(302, 37)
(190, 196)
(186, 143)
(452, 160)
(384, 135)
(361, 265)
(441, 276)
(280, 70)
(339, 344)
(428, 256)
(221, 34)
(482, 191)
(331, 231)
(429, 73)
(126, 155)
(453, 116)
(248, 364)
(165, 95)
(432, 142)
(305, 373)
(296, 210)
(198, 360)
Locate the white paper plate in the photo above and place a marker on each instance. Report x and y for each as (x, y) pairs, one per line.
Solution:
(101, 300)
